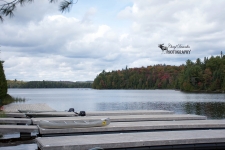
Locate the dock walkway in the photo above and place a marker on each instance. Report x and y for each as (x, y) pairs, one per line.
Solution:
(128, 112)
(143, 126)
(142, 140)
(5, 129)
(16, 121)
(137, 123)
(97, 113)
(119, 127)
(128, 118)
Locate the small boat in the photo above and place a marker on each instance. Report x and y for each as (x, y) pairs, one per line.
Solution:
(73, 123)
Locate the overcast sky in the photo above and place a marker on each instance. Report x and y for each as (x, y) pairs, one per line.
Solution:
(41, 43)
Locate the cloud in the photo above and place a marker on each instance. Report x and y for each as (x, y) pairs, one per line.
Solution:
(47, 45)
(56, 48)
(176, 22)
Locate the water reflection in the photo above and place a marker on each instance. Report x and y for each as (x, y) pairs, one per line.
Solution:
(7, 100)
(210, 105)
(10, 99)
(213, 110)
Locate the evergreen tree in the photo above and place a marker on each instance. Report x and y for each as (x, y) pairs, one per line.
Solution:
(3, 82)
(7, 8)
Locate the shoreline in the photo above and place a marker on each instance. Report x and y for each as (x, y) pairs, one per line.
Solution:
(194, 91)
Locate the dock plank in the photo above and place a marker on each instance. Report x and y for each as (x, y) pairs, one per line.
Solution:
(13, 108)
(127, 140)
(52, 114)
(128, 112)
(5, 129)
(15, 115)
(129, 118)
(15, 120)
(140, 126)
(97, 113)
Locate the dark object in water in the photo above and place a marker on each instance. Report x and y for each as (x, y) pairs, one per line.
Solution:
(71, 110)
(82, 113)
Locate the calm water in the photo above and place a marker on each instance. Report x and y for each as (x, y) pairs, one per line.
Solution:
(210, 105)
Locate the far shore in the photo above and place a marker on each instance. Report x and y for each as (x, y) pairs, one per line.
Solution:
(194, 91)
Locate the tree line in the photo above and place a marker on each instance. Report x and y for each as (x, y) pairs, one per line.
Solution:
(151, 77)
(208, 75)
(199, 76)
(48, 84)
(3, 83)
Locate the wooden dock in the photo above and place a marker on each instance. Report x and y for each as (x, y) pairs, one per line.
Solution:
(97, 113)
(15, 115)
(143, 126)
(129, 118)
(5, 129)
(16, 121)
(119, 127)
(129, 112)
(133, 120)
(143, 140)
(142, 129)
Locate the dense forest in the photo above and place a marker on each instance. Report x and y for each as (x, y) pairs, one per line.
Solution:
(3, 83)
(151, 77)
(48, 84)
(199, 76)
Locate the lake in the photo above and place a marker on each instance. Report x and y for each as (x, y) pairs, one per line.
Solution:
(210, 105)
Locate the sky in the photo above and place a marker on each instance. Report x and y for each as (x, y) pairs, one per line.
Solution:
(41, 43)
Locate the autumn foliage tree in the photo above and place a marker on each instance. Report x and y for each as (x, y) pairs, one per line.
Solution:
(206, 76)
(151, 77)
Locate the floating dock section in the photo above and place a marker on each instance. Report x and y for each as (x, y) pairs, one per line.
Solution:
(145, 140)
(128, 112)
(128, 118)
(15, 114)
(144, 126)
(21, 121)
(5, 129)
(118, 127)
